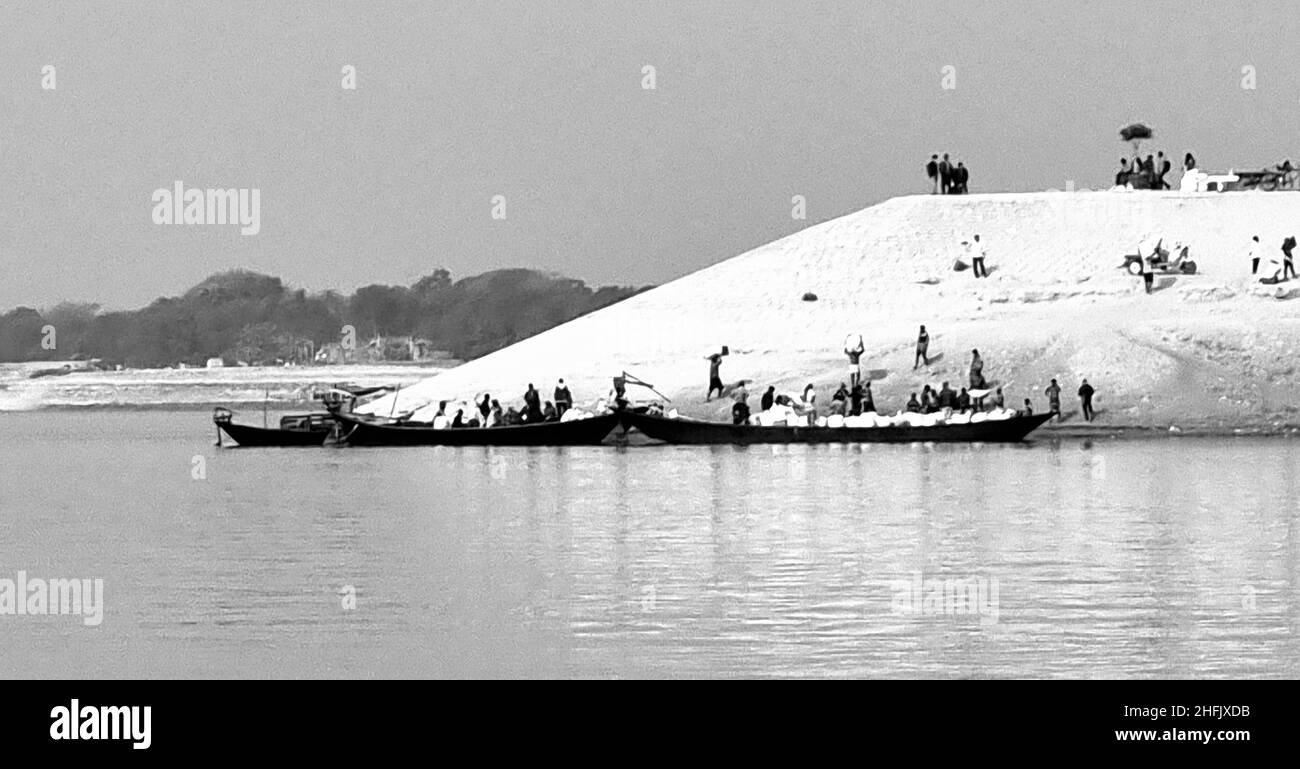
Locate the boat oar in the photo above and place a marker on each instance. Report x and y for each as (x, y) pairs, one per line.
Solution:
(633, 380)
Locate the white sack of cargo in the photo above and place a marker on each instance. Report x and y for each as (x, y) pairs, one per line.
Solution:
(979, 417)
(960, 418)
(835, 420)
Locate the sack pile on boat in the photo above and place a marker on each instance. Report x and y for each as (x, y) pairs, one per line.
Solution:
(780, 415)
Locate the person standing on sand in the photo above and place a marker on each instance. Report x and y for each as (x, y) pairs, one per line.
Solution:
(976, 370)
(1288, 267)
(1253, 255)
(932, 171)
(945, 176)
(715, 376)
(1053, 393)
(1085, 397)
(922, 346)
(1144, 265)
(977, 258)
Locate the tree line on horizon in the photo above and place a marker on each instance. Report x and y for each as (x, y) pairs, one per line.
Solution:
(247, 317)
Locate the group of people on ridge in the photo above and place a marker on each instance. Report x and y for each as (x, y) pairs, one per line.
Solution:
(487, 411)
(946, 178)
(1148, 174)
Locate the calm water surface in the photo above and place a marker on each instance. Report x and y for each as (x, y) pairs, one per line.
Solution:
(1158, 558)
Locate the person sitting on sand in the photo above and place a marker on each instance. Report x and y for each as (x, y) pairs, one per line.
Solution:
(913, 405)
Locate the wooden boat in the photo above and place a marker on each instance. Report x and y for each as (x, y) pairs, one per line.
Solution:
(691, 431)
(358, 430)
(294, 430)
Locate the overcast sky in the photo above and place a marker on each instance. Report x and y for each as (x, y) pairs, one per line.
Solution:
(542, 103)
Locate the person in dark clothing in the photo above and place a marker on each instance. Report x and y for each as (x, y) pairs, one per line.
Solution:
(768, 399)
(549, 413)
(922, 347)
(1053, 393)
(1085, 396)
(838, 400)
(532, 404)
(963, 400)
(868, 400)
(620, 393)
(998, 400)
(947, 398)
(715, 376)
(485, 407)
(563, 399)
(740, 413)
(459, 419)
(855, 400)
(1028, 410)
(511, 417)
(1189, 162)
(1121, 178)
(1288, 266)
(1254, 255)
(1165, 167)
(961, 175)
(913, 405)
(976, 370)
(932, 171)
(945, 176)
(1161, 168)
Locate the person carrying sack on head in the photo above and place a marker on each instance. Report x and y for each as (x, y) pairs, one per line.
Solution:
(854, 347)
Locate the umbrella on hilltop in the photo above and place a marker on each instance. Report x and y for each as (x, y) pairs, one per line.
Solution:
(1135, 133)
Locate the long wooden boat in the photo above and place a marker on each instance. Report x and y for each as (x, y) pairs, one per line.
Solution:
(691, 431)
(294, 430)
(358, 430)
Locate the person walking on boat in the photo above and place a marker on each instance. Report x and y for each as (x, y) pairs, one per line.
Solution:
(715, 375)
(854, 347)
(922, 346)
(563, 399)
(1053, 393)
(1085, 397)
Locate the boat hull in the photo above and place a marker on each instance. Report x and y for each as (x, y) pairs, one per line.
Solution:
(248, 436)
(686, 431)
(360, 431)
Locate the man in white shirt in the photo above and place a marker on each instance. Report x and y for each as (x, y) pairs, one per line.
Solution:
(1254, 255)
(975, 249)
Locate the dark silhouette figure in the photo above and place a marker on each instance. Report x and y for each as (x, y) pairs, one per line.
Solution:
(1085, 397)
(715, 376)
(922, 346)
(945, 176)
(932, 171)
(1053, 393)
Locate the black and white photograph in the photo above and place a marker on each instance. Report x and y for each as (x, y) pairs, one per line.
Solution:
(407, 341)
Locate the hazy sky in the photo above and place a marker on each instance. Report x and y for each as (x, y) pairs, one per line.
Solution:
(542, 103)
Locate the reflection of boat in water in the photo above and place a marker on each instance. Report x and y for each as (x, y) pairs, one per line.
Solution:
(63, 370)
(294, 430)
(360, 430)
(699, 432)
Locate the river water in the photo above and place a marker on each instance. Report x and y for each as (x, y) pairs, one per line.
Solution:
(1103, 558)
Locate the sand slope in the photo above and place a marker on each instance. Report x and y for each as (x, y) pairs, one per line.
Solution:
(1216, 348)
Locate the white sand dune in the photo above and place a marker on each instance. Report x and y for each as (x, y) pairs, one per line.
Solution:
(1216, 347)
